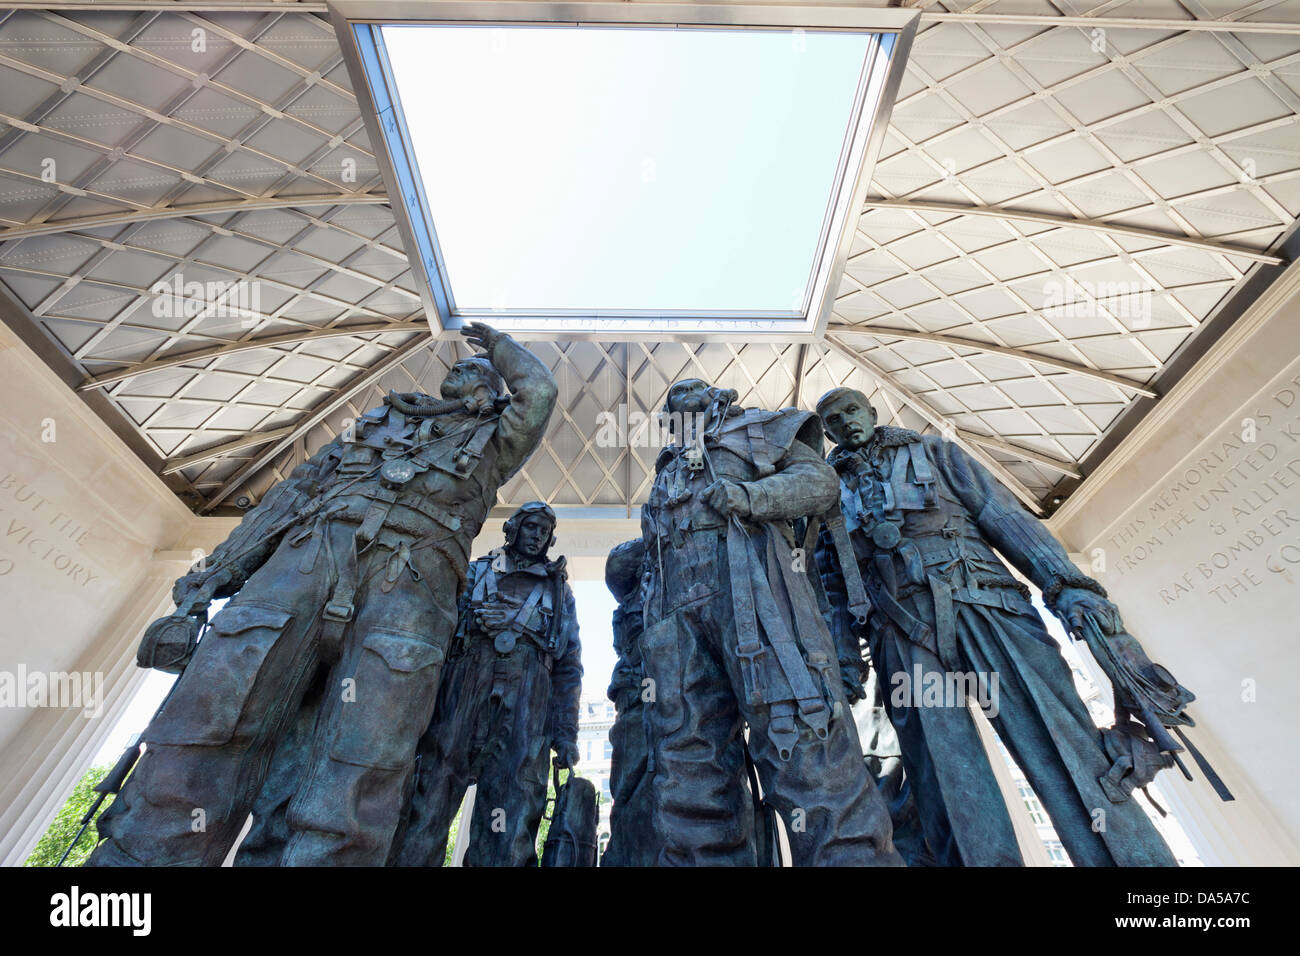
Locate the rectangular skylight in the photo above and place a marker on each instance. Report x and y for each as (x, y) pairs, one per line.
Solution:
(623, 177)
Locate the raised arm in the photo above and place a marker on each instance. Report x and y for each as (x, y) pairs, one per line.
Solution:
(532, 396)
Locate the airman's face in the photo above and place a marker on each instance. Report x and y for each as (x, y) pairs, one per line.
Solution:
(534, 536)
(849, 420)
(461, 381)
(690, 396)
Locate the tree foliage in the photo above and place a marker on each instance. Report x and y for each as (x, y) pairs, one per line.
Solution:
(68, 821)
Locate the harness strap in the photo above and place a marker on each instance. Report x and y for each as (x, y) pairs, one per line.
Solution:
(339, 610)
(505, 641)
(760, 449)
(913, 628)
(945, 622)
(812, 708)
(748, 647)
(859, 603)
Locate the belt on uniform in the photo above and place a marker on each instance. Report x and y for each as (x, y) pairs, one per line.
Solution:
(941, 638)
(945, 621)
(1007, 598)
(340, 608)
(393, 515)
(534, 643)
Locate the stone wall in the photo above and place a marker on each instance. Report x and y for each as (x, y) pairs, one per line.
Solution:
(81, 525)
(1193, 526)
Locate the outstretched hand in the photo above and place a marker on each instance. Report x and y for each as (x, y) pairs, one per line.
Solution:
(481, 335)
(1073, 604)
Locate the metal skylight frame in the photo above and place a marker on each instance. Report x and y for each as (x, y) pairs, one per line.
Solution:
(357, 23)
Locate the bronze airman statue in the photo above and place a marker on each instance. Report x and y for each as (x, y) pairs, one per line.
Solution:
(949, 623)
(734, 637)
(345, 577)
(510, 698)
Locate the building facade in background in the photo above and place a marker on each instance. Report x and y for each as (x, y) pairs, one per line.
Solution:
(595, 753)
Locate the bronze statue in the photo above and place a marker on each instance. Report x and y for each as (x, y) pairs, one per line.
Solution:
(510, 697)
(632, 836)
(734, 636)
(949, 622)
(344, 578)
(632, 841)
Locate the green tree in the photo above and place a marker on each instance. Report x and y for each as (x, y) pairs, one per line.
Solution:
(451, 839)
(68, 821)
(545, 826)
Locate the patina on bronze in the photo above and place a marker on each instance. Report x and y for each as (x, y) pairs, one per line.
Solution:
(344, 582)
(510, 697)
(632, 841)
(924, 519)
(632, 835)
(734, 637)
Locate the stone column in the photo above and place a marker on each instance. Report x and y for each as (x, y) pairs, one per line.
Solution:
(81, 519)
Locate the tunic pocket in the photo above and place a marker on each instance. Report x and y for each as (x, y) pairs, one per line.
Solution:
(661, 657)
(396, 679)
(216, 685)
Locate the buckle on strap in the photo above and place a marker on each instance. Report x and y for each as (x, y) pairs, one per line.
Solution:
(781, 730)
(338, 611)
(750, 652)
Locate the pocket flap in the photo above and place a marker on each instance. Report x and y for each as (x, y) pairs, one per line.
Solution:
(238, 618)
(401, 652)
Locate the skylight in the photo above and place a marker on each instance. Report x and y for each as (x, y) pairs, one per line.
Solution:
(561, 177)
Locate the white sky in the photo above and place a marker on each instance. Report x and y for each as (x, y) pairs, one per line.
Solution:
(626, 168)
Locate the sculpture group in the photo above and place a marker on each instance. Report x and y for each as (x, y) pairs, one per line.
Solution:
(365, 672)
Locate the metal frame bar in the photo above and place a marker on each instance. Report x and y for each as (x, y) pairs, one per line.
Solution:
(954, 342)
(248, 345)
(1113, 23)
(927, 16)
(216, 208)
(173, 465)
(385, 124)
(1062, 222)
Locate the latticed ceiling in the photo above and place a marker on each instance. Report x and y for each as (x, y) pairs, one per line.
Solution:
(1064, 213)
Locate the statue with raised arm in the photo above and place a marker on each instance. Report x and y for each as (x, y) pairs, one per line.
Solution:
(734, 638)
(950, 625)
(510, 698)
(343, 582)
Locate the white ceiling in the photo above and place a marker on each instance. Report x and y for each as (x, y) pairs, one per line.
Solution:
(1022, 157)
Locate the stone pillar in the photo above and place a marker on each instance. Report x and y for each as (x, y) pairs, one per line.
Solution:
(80, 522)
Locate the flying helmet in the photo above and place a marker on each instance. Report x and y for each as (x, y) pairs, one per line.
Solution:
(512, 524)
